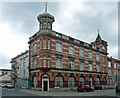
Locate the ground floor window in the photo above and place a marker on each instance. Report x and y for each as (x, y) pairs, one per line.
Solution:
(90, 81)
(97, 81)
(71, 82)
(81, 81)
(35, 82)
(58, 81)
(109, 82)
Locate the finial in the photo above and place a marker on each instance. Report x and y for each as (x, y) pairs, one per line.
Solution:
(98, 31)
(46, 6)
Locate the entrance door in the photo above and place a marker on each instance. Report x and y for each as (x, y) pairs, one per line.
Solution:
(45, 82)
(45, 85)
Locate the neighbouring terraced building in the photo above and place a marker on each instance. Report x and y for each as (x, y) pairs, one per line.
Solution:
(113, 72)
(20, 70)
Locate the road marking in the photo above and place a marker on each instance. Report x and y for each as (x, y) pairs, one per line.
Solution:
(9, 89)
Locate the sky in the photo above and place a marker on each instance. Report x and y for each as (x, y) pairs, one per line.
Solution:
(80, 20)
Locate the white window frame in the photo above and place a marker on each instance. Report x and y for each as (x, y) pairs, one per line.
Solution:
(34, 47)
(59, 46)
(58, 79)
(103, 47)
(97, 67)
(81, 81)
(97, 57)
(109, 64)
(82, 52)
(44, 25)
(81, 65)
(48, 61)
(90, 55)
(115, 73)
(72, 80)
(41, 25)
(58, 62)
(48, 43)
(71, 64)
(49, 26)
(109, 73)
(34, 63)
(44, 43)
(90, 67)
(44, 61)
(71, 49)
(115, 64)
(103, 59)
(97, 81)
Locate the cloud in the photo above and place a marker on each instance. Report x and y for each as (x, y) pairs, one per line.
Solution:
(12, 44)
(80, 20)
(84, 19)
(5, 61)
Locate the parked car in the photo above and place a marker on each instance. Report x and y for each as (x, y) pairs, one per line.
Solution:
(85, 88)
(2, 85)
(118, 87)
(9, 85)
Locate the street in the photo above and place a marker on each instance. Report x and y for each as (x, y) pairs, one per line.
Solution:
(14, 92)
(21, 92)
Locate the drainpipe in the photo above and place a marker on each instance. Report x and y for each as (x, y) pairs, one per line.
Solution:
(29, 69)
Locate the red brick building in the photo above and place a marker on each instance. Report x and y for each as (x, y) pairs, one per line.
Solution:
(113, 72)
(62, 62)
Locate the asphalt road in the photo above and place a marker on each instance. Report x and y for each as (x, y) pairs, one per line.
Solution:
(67, 94)
(14, 92)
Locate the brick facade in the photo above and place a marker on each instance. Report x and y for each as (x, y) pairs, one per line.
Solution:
(115, 72)
(68, 57)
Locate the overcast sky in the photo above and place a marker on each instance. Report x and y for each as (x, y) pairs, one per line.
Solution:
(80, 20)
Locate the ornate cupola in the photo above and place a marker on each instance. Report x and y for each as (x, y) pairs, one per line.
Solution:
(45, 20)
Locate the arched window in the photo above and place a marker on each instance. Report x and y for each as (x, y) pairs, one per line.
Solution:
(58, 81)
(49, 26)
(104, 81)
(44, 25)
(35, 82)
(71, 82)
(81, 81)
(97, 81)
(90, 81)
(40, 25)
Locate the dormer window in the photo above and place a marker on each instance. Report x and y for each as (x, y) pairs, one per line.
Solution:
(103, 48)
(44, 25)
(48, 25)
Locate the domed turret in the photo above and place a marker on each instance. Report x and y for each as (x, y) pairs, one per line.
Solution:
(45, 19)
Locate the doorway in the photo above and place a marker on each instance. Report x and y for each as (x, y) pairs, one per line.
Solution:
(45, 82)
(45, 85)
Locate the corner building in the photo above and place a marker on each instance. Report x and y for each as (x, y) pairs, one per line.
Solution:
(61, 62)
